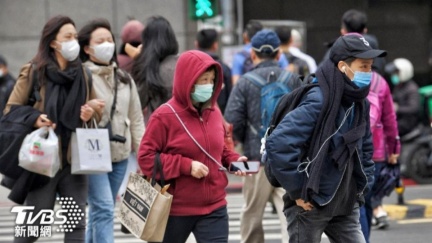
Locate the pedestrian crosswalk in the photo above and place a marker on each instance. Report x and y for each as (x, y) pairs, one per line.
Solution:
(271, 225)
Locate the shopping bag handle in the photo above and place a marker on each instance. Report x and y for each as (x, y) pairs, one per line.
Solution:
(158, 167)
(94, 123)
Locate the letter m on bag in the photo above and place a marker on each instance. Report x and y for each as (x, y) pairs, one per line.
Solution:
(93, 144)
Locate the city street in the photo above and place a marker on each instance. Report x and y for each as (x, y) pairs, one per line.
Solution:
(400, 231)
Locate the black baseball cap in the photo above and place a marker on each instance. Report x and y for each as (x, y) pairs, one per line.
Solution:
(353, 45)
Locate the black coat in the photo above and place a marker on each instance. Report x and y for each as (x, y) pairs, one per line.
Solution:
(14, 126)
(407, 99)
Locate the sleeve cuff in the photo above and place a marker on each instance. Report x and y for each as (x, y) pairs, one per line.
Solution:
(185, 168)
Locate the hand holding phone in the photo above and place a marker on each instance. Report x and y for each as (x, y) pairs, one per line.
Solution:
(250, 167)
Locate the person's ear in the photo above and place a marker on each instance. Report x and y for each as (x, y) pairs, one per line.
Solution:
(254, 56)
(196, 44)
(341, 66)
(343, 31)
(53, 44)
(86, 50)
(215, 46)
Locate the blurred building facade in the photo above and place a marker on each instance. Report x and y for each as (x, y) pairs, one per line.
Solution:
(403, 27)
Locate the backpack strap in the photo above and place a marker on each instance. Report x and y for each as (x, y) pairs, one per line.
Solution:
(255, 79)
(284, 76)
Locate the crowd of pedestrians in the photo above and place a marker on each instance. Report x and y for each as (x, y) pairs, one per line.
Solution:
(163, 104)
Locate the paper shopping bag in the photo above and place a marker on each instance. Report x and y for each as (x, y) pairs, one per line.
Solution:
(91, 152)
(144, 210)
(39, 152)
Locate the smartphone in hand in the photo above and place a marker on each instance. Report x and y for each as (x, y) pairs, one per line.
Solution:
(250, 167)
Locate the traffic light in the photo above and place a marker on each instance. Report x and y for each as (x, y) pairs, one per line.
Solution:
(202, 9)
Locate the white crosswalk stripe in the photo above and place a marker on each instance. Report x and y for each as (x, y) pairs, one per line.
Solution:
(235, 203)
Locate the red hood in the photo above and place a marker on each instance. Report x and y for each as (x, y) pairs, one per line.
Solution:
(190, 65)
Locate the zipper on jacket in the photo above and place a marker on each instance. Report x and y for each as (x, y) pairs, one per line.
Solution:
(207, 189)
(361, 166)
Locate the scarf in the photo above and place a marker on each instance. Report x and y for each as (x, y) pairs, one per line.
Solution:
(65, 94)
(337, 91)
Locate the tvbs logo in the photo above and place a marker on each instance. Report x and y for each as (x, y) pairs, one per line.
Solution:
(67, 218)
(46, 216)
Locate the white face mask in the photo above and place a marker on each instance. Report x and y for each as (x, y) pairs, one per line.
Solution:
(104, 52)
(69, 49)
(1, 73)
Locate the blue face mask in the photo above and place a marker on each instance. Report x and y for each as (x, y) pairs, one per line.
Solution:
(361, 79)
(203, 92)
(395, 79)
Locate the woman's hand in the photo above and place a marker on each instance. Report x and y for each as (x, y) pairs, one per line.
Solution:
(43, 121)
(199, 170)
(97, 104)
(239, 172)
(393, 159)
(86, 113)
(307, 206)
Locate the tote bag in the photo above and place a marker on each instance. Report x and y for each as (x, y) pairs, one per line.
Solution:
(145, 207)
(91, 152)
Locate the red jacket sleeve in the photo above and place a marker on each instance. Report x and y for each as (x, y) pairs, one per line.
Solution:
(154, 141)
(229, 156)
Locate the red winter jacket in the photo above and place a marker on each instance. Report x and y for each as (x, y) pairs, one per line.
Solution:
(165, 134)
(383, 121)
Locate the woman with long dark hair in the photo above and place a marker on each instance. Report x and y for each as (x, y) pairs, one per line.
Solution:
(153, 68)
(122, 113)
(62, 102)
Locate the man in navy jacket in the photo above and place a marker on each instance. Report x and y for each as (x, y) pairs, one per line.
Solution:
(321, 152)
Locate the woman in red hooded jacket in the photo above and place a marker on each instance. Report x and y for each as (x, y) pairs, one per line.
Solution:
(197, 176)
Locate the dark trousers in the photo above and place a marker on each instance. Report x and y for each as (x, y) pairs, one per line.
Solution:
(208, 228)
(64, 184)
(308, 226)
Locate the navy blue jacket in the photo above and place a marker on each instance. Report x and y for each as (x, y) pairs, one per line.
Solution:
(288, 143)
(243, 108)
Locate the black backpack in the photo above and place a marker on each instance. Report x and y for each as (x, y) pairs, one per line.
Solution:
(287, 103)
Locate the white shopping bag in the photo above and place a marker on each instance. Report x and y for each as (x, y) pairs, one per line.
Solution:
(39, 152)
(91, 153)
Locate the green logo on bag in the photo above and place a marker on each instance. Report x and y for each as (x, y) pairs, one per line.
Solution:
(36, 145)
(36, 149)
(93, 145)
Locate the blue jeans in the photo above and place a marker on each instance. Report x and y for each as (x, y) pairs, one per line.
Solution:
(308, 226)
(102, 194)
(211, 227)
